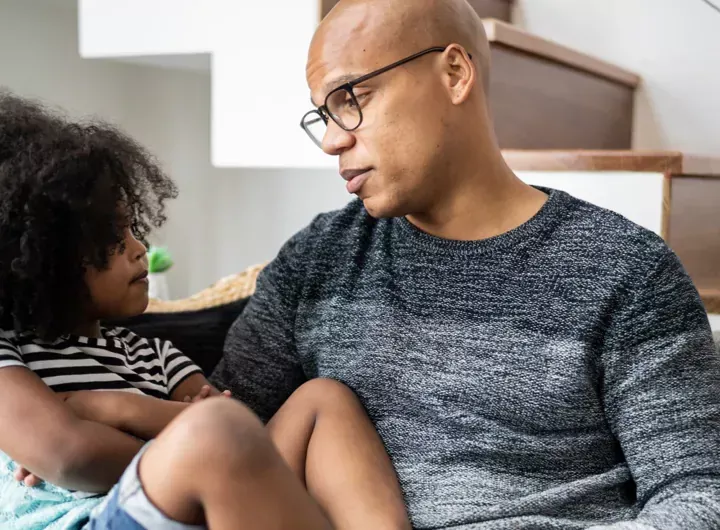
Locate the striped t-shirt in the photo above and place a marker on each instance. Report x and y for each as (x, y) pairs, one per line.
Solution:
(120, 360)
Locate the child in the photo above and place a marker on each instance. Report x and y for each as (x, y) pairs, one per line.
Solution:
(76, 200)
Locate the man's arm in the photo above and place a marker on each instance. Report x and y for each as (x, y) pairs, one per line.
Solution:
(260, 365)
(662, 400)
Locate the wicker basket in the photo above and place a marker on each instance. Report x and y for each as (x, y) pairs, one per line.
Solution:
(229, 289)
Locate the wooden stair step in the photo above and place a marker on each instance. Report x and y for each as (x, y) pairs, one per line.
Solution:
(547, 96)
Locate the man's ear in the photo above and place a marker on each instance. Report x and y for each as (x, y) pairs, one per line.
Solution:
(459, 73)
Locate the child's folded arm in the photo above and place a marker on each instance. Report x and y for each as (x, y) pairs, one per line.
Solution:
(142, 416)
(44, 435)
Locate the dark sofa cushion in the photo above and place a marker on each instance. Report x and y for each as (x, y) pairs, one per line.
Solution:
(198, 334)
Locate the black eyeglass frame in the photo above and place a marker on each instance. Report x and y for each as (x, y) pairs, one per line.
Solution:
(325, 115)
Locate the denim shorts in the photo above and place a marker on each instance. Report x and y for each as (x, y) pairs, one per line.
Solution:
(128, 508)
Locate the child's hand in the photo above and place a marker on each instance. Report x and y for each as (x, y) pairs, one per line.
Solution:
(30, 480)
(205, 392)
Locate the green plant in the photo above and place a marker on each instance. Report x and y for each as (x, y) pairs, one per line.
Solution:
(159, 260)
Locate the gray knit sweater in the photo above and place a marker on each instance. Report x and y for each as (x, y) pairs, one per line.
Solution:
(559, 376)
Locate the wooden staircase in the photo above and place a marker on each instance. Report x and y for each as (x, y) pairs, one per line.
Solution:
(547, 96)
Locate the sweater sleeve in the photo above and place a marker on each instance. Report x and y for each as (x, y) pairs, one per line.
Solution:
(260, 365)
(662, 400)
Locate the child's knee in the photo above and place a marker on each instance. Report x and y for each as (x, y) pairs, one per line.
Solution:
(327, 392)
(219, 428)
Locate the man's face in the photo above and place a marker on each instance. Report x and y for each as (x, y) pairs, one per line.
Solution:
(392, 159)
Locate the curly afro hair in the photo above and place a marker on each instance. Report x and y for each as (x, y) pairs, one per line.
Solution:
(68, 191)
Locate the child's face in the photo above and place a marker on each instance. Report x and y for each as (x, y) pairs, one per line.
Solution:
(121, 290)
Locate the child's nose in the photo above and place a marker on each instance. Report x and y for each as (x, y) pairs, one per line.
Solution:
(136, 247)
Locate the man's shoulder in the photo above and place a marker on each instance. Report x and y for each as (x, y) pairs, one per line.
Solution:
(613, 239)
(328, 236)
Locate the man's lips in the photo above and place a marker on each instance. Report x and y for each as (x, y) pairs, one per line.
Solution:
(355, 178)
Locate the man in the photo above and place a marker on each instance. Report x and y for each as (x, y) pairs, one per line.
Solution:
(529, 360)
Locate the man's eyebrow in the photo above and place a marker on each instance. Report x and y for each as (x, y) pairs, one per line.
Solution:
(338, 81)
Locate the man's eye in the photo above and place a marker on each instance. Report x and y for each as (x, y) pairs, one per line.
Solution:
(361, 97)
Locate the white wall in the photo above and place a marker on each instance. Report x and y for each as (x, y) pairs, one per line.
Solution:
(715, 322)
(224, 219)
(241, 107)
(256, 211)
(673, 44)
(38, 58)
(166, 110)
(170, 114)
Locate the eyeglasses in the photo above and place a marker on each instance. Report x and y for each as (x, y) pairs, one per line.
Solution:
(341, 104)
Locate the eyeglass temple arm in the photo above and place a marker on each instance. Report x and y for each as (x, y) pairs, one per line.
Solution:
(398, 63)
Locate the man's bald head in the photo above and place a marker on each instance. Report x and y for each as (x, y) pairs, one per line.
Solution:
(386, 30)
(405, 136)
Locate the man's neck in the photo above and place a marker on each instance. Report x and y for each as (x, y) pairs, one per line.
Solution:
(487, 206)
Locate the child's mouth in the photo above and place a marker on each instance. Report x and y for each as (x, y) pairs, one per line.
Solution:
(141, 278)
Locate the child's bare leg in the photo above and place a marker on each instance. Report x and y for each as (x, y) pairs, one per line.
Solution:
(216, 463)
(325, 436)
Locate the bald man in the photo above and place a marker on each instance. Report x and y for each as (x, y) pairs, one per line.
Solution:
(529, 360)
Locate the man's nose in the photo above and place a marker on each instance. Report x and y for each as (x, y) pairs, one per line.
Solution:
(337, 140)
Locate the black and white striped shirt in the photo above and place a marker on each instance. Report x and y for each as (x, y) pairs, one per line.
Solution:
(120, 360)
